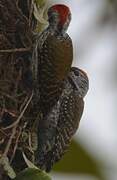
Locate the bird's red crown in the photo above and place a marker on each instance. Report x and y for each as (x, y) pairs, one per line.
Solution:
(63, 11)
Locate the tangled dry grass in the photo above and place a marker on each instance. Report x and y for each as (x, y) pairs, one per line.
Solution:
(18, 113)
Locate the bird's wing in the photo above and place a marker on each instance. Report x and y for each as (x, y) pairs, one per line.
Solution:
(61, 54)
(70, 114)
(55, 60)
(46, 135)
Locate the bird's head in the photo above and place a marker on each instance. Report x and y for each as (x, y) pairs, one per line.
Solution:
(59, 17)
(80, 80)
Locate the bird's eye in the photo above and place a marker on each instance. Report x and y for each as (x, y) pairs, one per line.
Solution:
(52, 13)
(76, 73)
(75, 70)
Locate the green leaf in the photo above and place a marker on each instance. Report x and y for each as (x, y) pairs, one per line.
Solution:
(28, 162)
(32, 174)
(4, 161)
(40, 2)
(78, 161)
(40, 14)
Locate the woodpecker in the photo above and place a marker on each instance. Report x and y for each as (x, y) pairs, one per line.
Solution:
(52, 57)
(57, 129)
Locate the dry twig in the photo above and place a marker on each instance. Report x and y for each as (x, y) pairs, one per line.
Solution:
(15, 50)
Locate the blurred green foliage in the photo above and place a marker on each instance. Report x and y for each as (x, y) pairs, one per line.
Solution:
(32, 174)
(113, 3)
(78, 161)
